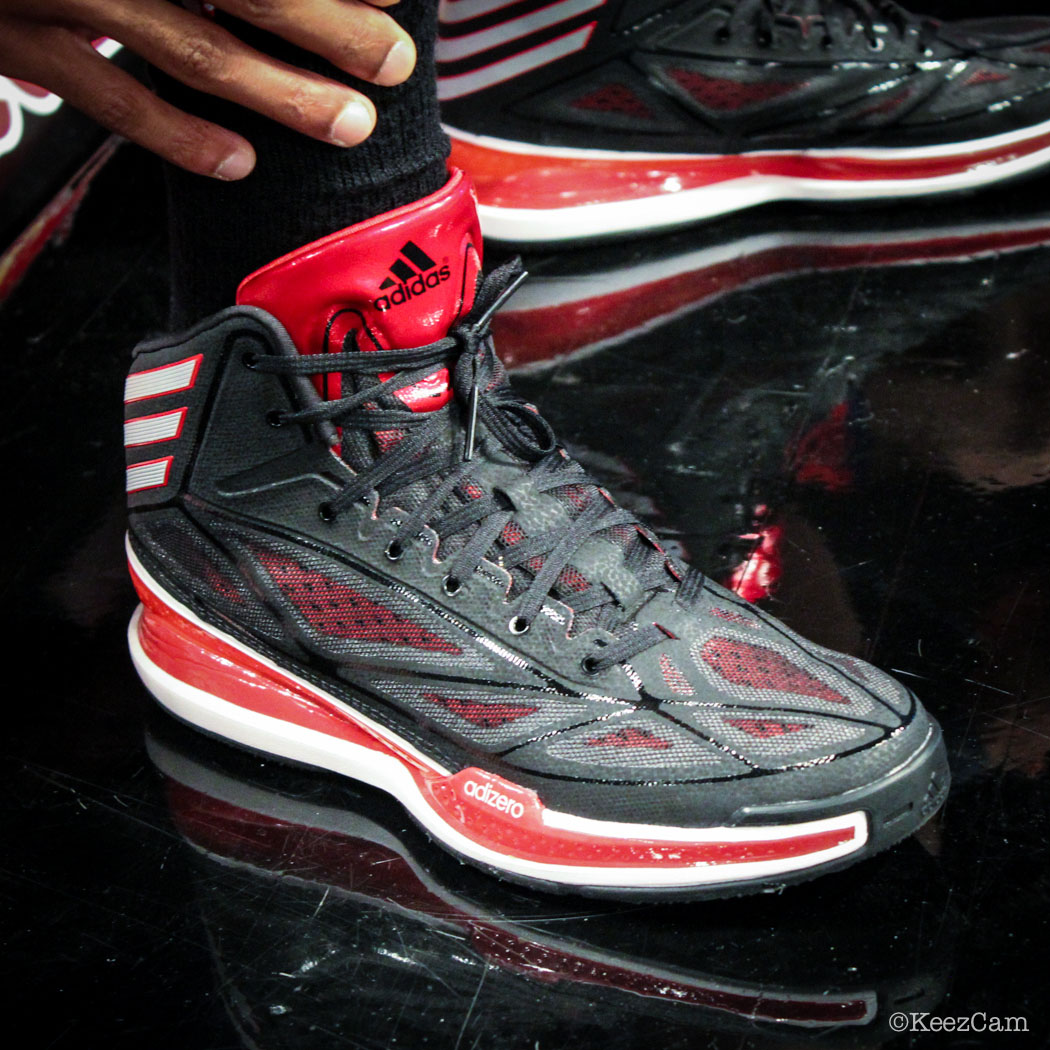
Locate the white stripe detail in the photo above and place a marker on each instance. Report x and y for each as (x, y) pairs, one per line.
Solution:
(515, 66)
(452, 12)
(151, 475)
(474, 43)
(277, 737)
(168, 379)
(144, 430)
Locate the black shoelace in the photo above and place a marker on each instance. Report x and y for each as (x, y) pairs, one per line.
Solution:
(453, 443)
(839, 18)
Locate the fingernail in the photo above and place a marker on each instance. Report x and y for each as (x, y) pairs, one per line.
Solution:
(238, 164)
(397, 66)
(353, 125)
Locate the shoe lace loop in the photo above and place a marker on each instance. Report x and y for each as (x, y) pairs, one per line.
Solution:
(485, 416)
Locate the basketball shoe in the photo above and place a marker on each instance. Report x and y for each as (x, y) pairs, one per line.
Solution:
(590, 118)
(357, 549)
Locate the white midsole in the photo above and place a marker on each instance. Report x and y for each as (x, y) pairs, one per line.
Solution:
(386, 772)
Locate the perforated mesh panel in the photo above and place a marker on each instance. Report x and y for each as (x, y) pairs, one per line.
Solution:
(762, 668)
(630, 738)
(673, 677)
(613, 98)
(766, 729)
(485, 714)
(730, 616)
(718, 93)
(334, 608)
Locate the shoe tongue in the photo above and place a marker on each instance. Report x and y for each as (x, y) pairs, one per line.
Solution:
(396, 281)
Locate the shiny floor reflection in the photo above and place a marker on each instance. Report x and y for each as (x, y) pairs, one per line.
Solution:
(846, 414)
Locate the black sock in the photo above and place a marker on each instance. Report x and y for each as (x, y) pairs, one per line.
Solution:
(301, 189)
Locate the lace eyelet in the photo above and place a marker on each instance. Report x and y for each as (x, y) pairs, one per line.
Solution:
(274, 418)
(326, 512)
(589, 666)
(827, 43)
(722, 35)
(250, 359)
(876, 43)
(764, 39)
(518, 625)
(393, 551)
(451, 585)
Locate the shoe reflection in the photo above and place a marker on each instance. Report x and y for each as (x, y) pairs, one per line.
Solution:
(579, 302)
(333, 921)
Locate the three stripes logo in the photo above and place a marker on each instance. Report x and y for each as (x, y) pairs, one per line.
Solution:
(412, 273)
(155, 428)
(482, 43)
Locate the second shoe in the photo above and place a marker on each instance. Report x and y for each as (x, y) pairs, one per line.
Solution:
(592, 118)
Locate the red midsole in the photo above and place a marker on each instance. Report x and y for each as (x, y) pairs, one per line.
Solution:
(519, 180)
(467, 800)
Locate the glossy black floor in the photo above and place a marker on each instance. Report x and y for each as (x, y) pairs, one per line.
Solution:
(851, 408)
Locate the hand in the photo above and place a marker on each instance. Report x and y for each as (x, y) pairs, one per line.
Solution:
(47, 42)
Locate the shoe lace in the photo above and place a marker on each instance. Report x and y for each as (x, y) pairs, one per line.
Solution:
(765, 17)
(448, 448)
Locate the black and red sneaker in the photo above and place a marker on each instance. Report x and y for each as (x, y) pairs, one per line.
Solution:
(590, 118)
(357, 548)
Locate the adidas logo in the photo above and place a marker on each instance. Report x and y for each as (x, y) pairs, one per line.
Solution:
(412, 274)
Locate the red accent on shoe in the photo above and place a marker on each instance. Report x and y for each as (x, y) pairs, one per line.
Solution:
(763, 728)
(758, 667)
(490, 714)
(332, 608)
(399, 280)
(632, 738)
(673, 677)
(984, 76)
(614, 98)
(733, 617)
(728, 95)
